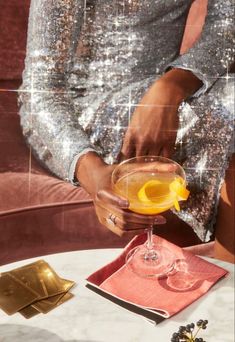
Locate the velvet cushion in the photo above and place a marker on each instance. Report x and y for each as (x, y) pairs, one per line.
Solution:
(24, 183)
(13, 33)
(39, 213)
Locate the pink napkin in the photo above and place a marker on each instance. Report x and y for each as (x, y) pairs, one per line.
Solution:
(157, 295)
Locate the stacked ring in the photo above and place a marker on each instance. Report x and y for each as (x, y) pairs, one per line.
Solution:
(111, 220)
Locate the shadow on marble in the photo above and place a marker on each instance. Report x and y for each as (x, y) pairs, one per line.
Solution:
(22, 333)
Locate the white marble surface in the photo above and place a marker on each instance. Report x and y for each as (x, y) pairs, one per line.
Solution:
(89, 317)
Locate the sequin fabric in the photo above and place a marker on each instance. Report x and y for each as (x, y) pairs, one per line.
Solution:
(89, 63)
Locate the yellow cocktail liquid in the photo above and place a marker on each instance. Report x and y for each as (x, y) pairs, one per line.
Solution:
(152, 192)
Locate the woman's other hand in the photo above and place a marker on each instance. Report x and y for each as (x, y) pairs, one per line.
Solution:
(112, 210)
(154, 123)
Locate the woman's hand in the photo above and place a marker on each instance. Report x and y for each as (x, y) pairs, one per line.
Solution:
(111, 209)
(154, 123)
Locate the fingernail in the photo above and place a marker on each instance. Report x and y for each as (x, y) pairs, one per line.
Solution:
(123, 203)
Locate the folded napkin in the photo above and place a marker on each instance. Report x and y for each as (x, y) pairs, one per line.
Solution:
(161, 296)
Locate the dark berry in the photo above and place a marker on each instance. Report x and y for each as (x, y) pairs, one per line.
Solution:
(182, 335)
(185, 333)
(188, 328)
(175, 337)
(199, 323)
(182, 329)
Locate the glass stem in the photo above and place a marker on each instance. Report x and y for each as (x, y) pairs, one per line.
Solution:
(150, 255)
(150, 238)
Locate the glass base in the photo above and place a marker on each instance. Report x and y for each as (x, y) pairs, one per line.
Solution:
(155, 262)
(181, 279)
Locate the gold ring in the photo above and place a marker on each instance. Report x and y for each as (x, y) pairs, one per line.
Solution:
(111, 220)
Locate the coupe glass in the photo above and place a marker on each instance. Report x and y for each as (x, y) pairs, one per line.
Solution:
(148, 182)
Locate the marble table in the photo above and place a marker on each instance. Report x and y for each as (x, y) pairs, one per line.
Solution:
(89, 317)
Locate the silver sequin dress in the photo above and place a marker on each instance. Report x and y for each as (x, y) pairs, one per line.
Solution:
(89, 63)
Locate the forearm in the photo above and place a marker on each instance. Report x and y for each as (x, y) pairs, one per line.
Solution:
(48, 118)
(87, 168)
(50, 126)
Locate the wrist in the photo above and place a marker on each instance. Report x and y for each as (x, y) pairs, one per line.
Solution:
(85, 167)
(180, 83)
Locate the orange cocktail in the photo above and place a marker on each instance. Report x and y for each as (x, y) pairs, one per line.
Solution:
(152, 192)
(152, 185)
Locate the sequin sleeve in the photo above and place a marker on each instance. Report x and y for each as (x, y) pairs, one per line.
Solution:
(212, 55)
(48, 117)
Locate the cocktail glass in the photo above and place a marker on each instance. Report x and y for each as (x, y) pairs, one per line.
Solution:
(152, 185)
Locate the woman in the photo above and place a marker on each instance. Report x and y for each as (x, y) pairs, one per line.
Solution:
(129, 93)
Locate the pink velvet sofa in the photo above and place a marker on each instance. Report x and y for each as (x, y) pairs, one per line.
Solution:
(39, 213)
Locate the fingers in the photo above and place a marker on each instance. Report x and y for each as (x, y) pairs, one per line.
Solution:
(141, 149)
(138, 149)
(156, 167)
(125, 219)
(115, 224)
(106, 196)
(131, 217)
(168, 151)
(120, 232)
(128, 148)
(115, 229)
(155, 150)
(149, 166)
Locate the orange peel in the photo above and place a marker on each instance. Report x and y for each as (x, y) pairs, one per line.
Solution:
(143, 193)
(178, 188)
(152, 189)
